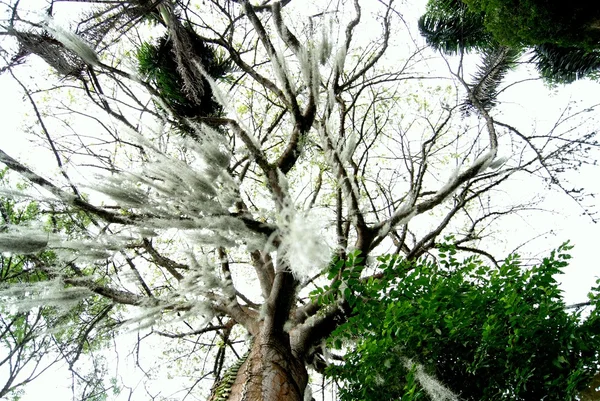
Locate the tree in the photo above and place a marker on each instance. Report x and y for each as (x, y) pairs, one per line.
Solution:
(485, 333)
(208, 226)
(38, 335)
(564, 37)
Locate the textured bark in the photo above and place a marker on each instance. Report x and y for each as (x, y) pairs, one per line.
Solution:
(591, 393)
(270, 373)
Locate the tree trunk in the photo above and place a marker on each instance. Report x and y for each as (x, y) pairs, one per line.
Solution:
(270, 373)
(591, 393)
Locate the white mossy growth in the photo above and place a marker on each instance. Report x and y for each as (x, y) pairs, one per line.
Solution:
(216, 91)
(407, 210)
(485, 160)
(203, 279)
(282, 72)
(23, 241)
(303, 241)
(229, 192)
(325, 46)
(262, 312)
(383, 231)
(256, 242)
(171, 188)
(72, 42)
(330, 104)
(308, 393)
(498, 162)
(283, 182)
(434, 389)
(349, 147)
(309, 65)
(25, 296)
(211, 148)
(340, 59)
(146, 317)
(100, 248)
(481, 163)
(123, 191)
(210, 237)
(288, 326)
(450, 182)
(201, 276)
(200, 308)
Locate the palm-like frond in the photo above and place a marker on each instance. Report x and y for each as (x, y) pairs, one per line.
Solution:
(565, 64)
(451, 27)
(158, 63)
(495, 63)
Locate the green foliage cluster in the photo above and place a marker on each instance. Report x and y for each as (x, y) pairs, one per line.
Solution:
(45, 331)
(157, 63)
(531, 22)
(345, 275)
(485, 333)
(450, 26)
(566, 64)
(564, 37)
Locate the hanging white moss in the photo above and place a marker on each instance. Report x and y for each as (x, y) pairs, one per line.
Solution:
(450, 182)
(25, 296)
(349, 147)
(202, 279)
(325, 46)
(340, 59)
(308, 393)
(303, 241)
(216, 91)
(434, 388)
(73, 42)
(23, 240)
(498, 162)
(485, 160)
(124, 192)
(145, 317)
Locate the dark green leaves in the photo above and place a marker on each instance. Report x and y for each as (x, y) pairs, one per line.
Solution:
(485, 333)
(157, 63)
(345, 276)
(562, 35)
(449, 26)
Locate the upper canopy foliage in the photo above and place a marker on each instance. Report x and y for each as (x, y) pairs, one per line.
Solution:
(564, 36)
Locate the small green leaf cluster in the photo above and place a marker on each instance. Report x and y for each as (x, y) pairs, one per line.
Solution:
(345, 280)
(486, 333)
(157, 63)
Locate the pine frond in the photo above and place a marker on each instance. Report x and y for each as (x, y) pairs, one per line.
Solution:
(565, 64)
(452, 28)
(495, 63)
